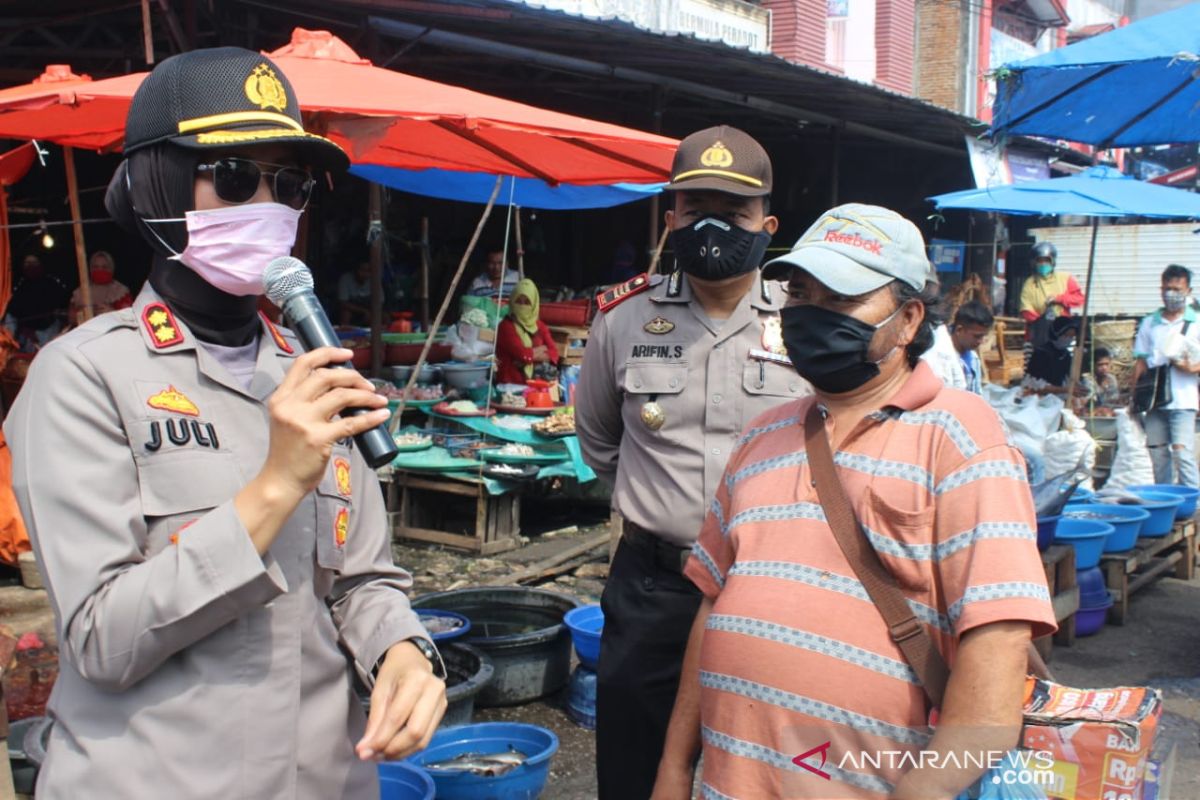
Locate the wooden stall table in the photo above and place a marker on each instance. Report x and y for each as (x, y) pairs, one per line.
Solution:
(1059, 562)
(454, 510)
(1125, 573)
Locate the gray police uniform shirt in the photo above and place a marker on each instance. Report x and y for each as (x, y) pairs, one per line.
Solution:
(710, 379)
(190, 666)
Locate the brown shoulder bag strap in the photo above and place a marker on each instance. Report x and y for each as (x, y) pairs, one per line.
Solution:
(906, 630)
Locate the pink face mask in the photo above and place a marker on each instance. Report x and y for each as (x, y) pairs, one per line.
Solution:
(230, 247)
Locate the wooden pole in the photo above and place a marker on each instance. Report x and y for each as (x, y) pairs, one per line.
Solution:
(85, 283)
(662, 242)
(375, 234)
(423, 279)
(520, 246)
(437, 322)
(147, 32)
(1081, 340)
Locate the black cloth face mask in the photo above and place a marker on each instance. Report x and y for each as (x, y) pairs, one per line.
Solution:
(714, 249)
(829, 349)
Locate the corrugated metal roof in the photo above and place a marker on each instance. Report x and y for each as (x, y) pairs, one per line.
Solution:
(1129, 261)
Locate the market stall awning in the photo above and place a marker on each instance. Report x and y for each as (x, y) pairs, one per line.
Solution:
(1095, 192)
(476, 187)
(381, 117)
(1137, 85)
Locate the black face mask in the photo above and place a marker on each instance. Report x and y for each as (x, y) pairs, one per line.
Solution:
(714, 249)
(829, 349)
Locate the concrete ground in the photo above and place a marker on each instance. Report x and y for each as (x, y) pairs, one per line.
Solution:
(1159, 646)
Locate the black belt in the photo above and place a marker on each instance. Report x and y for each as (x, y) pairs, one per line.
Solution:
(670, 557)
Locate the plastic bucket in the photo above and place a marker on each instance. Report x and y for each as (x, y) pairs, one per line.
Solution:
(1162, 509)
(1090, 620)
(1045, 530)
(399, 780)
(581, 697)
(526, 782)
(1086, 536)
(1127, 522)
(585, 625)
(1187, 509)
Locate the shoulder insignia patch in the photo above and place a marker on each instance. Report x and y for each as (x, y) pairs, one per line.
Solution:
(160, 324)
(622, 292)
(280, 341)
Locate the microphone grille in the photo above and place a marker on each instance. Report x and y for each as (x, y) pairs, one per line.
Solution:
(285, 276)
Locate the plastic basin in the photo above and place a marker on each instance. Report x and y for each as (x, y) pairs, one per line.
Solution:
(1092, 589)
(585, 625)
(1187, 509)
(464, 375)
(1087, 536)
(581, 697)
(1162, 509)
(443, 626)
(1090, 620)
(521, 629)
(1127, 522)
(1045, 530)
(402, 781)
(525, 782)
(1081, 495)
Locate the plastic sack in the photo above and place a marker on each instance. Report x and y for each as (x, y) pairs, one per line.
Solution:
(492, 309)
(465, 344)
(1070, 448)
(1015, 778)
(1131, 464)
(1029, 420)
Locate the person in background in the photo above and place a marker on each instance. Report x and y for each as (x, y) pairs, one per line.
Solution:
(354, 295)
(495, 280)
(1047, 292)
(1169, 336)
(108, 293)
(1104, 390)
(675, 368)
(972, 324)
(38, 305)
(787, 650)
(524, 346)
(1049, 368)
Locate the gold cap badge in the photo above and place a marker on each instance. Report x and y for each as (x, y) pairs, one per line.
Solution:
(717, 156)
(265, 90)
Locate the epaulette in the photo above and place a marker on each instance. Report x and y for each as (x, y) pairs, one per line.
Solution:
(280, 340)
(622, 292)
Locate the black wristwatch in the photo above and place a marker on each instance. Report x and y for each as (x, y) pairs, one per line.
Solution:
(427, 649)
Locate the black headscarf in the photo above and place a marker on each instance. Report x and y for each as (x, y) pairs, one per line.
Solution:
(157, 183)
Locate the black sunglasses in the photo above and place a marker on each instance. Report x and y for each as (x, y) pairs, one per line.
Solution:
(236, 180)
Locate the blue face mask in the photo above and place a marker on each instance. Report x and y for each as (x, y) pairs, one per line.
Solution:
(1045, 269)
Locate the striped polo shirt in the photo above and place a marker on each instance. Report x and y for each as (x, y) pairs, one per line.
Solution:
(795, 654)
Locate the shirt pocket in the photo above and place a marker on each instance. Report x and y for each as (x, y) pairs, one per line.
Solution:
(901, 531)
(664, 385)
(767, 379)
(177, 488)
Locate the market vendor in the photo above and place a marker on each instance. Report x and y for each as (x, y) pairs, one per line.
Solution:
(1104, 390)
(524, 347)
(217, 555)
(495, 280)
(108, 293)
(1049, 368)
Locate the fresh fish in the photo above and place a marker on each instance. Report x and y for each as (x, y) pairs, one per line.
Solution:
(488, 764)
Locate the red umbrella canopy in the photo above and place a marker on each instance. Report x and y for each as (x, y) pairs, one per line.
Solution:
(381, 117)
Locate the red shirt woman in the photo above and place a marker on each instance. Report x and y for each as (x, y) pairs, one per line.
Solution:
(522, 339)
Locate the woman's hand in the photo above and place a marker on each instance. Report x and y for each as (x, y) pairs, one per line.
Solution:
(540, 354)
(407, 704)
(304, 417)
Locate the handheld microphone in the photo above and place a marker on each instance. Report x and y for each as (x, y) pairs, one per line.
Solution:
(289, 285)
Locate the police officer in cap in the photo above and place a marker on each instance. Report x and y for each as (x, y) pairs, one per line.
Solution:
(216, 551)
(674, 369)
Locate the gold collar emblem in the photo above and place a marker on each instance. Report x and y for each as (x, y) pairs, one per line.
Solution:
(659, 326)
(717, 156)
(265, 90)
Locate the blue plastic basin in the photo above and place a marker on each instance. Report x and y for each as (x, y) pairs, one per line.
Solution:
(399, 780)
(1187, 509)
(1090, 620)
(1045, 530)
(1162, 509)
(1092, 589)
(1086, 536)
(585, 624)
(1127, 522)
(430, 616)
(1081, 495)
(523, 783)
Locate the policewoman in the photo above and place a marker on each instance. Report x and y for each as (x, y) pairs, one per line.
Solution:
(214, 546)
(675, 367)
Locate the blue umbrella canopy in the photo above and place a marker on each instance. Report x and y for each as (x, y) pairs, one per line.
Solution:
(1095, 192)
(1137, 85)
